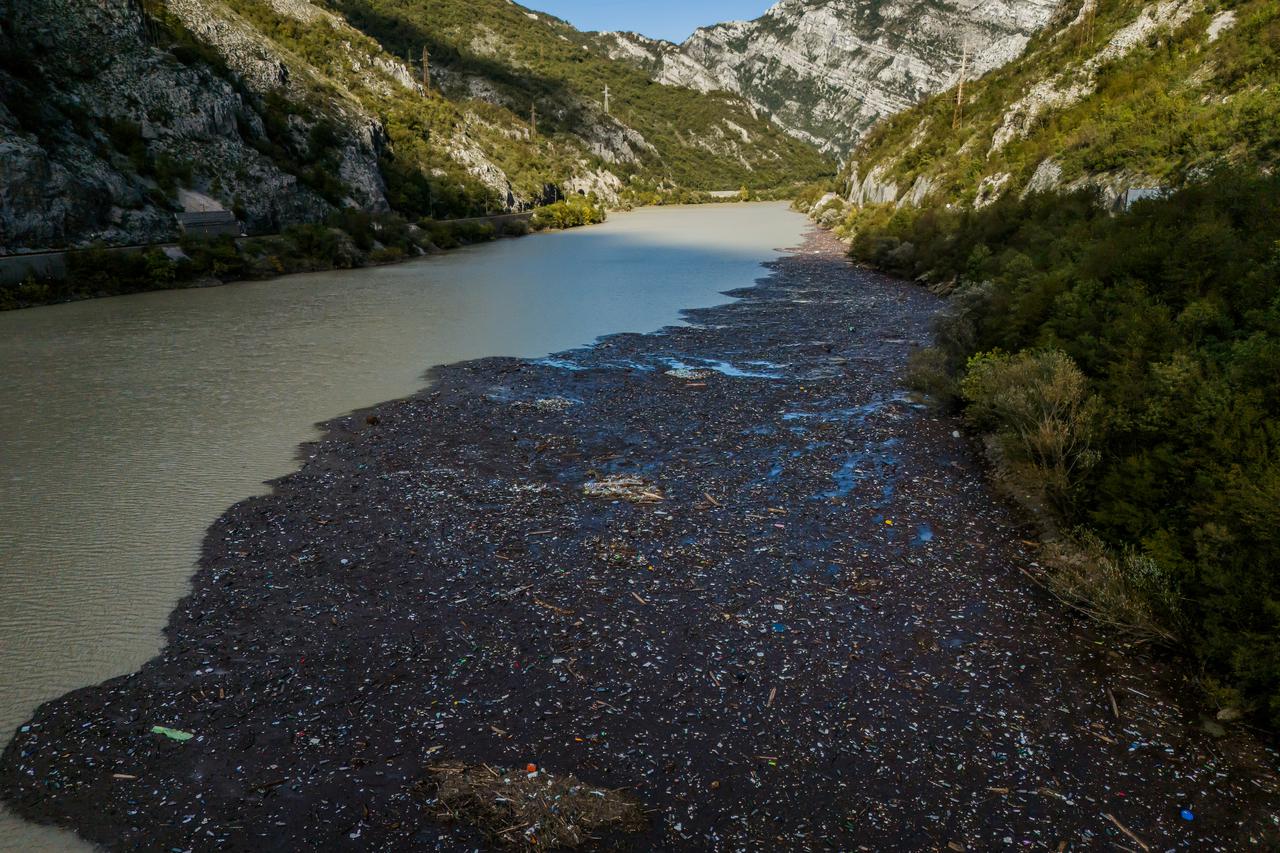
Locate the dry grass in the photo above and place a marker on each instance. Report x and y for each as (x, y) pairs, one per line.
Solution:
(1127, 592)
(534, 811)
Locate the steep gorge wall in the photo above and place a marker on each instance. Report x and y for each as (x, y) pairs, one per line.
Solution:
(1112, 96)
(827, 70)
(113, 113)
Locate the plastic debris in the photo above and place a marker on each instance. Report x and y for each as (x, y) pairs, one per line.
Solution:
(622, 488)
(553, 404)
(687, 373)
(172, 734)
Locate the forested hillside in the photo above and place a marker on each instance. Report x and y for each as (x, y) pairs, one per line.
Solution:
(502, 53)
(1113, 94)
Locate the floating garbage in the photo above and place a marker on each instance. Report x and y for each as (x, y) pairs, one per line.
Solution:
(172, 734)
(687, 373)
(553, 404)
(621, 487)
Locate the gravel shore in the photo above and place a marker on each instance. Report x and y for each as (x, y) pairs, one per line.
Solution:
(729, 568)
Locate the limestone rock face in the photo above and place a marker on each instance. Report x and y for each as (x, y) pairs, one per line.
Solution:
(1012, 144)
(826, 70)
(85, 151)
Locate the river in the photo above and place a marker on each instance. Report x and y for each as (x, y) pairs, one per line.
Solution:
(128, 424)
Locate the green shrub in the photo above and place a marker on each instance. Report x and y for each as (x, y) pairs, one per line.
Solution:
(513, 228)
(1125, 589)
(450, 235)
(110, 273)
(1170, 316)
(929, 373)
(218, 257)
(474, 232)
(1037, 404)
(31, 291)
(573, 212)
(126, 138)
(170, 172)
(386, 255)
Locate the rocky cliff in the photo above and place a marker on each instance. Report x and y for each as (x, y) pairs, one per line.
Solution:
(1122, 96)
(116, 114)
(95, 118)
(827, 70)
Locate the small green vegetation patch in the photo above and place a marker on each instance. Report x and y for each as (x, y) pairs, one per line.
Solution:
(570, 213)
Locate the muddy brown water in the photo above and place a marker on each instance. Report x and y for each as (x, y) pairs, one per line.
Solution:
(128, 424)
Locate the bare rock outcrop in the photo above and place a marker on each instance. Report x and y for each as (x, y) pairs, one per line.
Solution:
(826, 70)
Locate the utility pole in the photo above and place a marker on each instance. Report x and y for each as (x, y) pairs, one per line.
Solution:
(964, 68)
(533, 118)
(1086, 26)
(606, 99)
(426, 69)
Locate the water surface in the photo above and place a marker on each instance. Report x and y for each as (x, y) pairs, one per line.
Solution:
(127, 425)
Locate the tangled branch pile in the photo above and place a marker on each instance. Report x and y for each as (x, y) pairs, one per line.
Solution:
(536, 811)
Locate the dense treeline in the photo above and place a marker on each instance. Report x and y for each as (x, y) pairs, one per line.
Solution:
(350, 239)
(1132, 362)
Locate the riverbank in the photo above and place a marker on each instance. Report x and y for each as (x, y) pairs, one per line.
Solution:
(808, 628)
(358, 240)
(1098, 422)
(353, 240)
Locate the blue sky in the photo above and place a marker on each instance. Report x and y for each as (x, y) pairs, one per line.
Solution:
(669, 19)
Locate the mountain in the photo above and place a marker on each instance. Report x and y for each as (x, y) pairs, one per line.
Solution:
(1112, 95)
(827, 70)
(116, 114)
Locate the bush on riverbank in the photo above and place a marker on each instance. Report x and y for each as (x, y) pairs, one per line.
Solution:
(1038, 407)
(1171, 315)
(351, 238)
(571, 213)
(805, 197)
